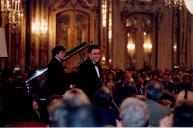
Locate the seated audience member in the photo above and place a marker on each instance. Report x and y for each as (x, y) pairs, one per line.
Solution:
(53, 102)
(185, 84)
(182, 116)
(133, 113)
(25, 113)
(76, 94)
(110, 80)
(8, 98)
(184, 95)
(157, 111)
(125, 88)
(167, 83)
(69, 114)
(140, 84)
(103, 101)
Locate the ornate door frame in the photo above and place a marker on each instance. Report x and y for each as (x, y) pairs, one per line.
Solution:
(62, 6)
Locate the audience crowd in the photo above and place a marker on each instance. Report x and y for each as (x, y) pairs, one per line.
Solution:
(130, 98)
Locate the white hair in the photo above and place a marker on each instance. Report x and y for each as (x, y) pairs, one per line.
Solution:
(133, 113)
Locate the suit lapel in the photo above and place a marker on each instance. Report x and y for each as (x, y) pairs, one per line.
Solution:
(93, 69)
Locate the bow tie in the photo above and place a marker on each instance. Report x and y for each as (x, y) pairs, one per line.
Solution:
(97, 64)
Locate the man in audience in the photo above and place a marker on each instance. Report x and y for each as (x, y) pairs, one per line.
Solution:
(71, 114)
(182, 115)
(157, 111)
(133, 113)
(77, 95)
(103, 101)
(125, 88)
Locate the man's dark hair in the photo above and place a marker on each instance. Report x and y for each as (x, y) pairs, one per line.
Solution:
(57, 49)
(183, 114)
(93, 46)
(53, 97)
(154, 90)
(103, 97)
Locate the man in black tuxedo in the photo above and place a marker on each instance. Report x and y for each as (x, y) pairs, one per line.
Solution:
(90, 74)
(56, 83)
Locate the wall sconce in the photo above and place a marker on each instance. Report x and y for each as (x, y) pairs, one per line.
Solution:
(131, 48)
(130, 45)
(39, 28)
(175, 47)
(110, 61)
(147, 46)
(103, 59)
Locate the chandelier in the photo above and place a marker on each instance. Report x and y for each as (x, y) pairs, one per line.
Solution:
(174, 3)
(11, 14)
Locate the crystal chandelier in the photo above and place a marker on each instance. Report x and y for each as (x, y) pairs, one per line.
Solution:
(174, 3)
(11, 13)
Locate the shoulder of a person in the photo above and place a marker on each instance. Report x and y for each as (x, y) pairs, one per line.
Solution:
(53, 60)
(86, 62)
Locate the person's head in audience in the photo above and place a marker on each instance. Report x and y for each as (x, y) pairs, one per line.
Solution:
(77, 94)
(110, 76)
(128, 78)
(141, 78)
(183, 114)
(154, 75)
(186, 78)
(154, 90)
(53, 102)
(69, 114)
(103, 97)
(24, 109)
(133, 113)
(180, 73)
(166, 77)
(186, 82)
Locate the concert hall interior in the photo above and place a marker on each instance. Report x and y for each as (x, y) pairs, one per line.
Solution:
(144, 50)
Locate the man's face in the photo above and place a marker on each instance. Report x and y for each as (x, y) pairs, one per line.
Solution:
(61, 55)
(95, 55)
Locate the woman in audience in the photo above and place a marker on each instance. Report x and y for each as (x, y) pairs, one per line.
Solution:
(110, 81)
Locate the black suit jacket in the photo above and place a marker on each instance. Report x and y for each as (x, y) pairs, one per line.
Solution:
(88, 78)
(56, 78)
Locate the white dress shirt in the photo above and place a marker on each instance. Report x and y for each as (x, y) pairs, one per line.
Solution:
(97, 69)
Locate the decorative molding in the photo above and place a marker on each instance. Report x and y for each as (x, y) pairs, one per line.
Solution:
(125, 13)
(88, 4)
